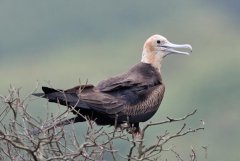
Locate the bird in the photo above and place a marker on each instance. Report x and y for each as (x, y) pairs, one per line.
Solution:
(131, 97)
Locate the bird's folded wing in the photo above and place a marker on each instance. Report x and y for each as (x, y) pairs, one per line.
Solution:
(113, 95)
(116, 93)
(121, 82)
(102, 102)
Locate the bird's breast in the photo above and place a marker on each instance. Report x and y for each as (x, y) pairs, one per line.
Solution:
(149, 105)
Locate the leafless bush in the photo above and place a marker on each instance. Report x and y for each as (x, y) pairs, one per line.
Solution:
(25, 137)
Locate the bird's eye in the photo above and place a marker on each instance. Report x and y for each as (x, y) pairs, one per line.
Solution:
(158, 41)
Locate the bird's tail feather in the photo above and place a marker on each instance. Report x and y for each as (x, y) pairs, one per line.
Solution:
(38, 94)
(46, 91)
(62, 97)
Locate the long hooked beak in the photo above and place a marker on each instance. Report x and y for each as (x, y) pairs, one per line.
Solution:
(169, 48)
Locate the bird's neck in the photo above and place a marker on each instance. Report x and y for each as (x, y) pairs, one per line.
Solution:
(152, 58)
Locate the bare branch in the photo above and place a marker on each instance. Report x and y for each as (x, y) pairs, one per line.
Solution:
(25, 137)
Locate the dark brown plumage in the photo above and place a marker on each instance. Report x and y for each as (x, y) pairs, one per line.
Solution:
(131, 97)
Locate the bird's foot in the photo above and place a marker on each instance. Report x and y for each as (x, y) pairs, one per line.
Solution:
(122, 127)
(135, 131)
(137, 134)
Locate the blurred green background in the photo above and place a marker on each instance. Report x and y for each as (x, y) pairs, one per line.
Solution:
(64, 41)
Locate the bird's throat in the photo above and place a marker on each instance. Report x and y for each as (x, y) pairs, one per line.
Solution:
(152, 58)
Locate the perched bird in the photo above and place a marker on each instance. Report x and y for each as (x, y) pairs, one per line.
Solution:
(132, 97)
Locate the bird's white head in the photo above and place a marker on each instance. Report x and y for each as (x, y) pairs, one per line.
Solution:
(157, 47)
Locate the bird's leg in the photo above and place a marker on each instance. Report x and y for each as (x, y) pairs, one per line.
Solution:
(129, 128)
(122, 127)
(136, 130)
